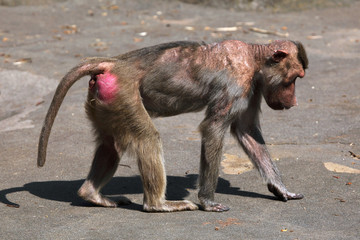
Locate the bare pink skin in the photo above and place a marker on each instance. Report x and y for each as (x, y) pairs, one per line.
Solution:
(107, 86)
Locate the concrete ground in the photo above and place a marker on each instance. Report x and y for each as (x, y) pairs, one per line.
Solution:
(315, 145)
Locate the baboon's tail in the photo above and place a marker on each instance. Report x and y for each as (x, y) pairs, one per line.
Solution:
(91, 66)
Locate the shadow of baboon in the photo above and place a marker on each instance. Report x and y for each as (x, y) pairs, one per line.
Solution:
(65, 191)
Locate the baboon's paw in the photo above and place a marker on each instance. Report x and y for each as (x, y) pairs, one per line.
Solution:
(171, 206)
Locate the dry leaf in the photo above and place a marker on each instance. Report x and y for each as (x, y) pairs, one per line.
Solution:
(193, 138)
(340, 199)
(5, 55)
(226, 29)
(232, 164)
(114, 7)
(57, 37)
(138, 39)
(264, 31)
(334, 167)
(70, 29)
(228, 222)
(22, 61)
(13, 205)
(100, 45)
(222, 224)
(314, 37)
(354, 155)
(39, 103)
(246, 23)
(125, 165)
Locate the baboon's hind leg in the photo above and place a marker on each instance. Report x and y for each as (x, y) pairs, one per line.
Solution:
(103, 167)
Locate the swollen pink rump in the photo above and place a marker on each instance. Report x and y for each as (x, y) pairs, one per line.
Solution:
(106, 86)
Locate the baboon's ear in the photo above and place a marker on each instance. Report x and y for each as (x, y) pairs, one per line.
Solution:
(279, 55)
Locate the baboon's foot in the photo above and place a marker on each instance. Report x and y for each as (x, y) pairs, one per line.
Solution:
(89, 194)
(211, 206)
(171, 206)
(282, 193)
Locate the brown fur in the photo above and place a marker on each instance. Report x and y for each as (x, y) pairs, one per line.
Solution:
(227, 78)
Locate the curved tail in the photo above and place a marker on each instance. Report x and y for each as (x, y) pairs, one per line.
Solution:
(91, 66)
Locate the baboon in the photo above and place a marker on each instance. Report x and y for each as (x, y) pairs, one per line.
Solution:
(227, 78)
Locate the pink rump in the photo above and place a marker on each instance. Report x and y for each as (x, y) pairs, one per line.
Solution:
(107, 86)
